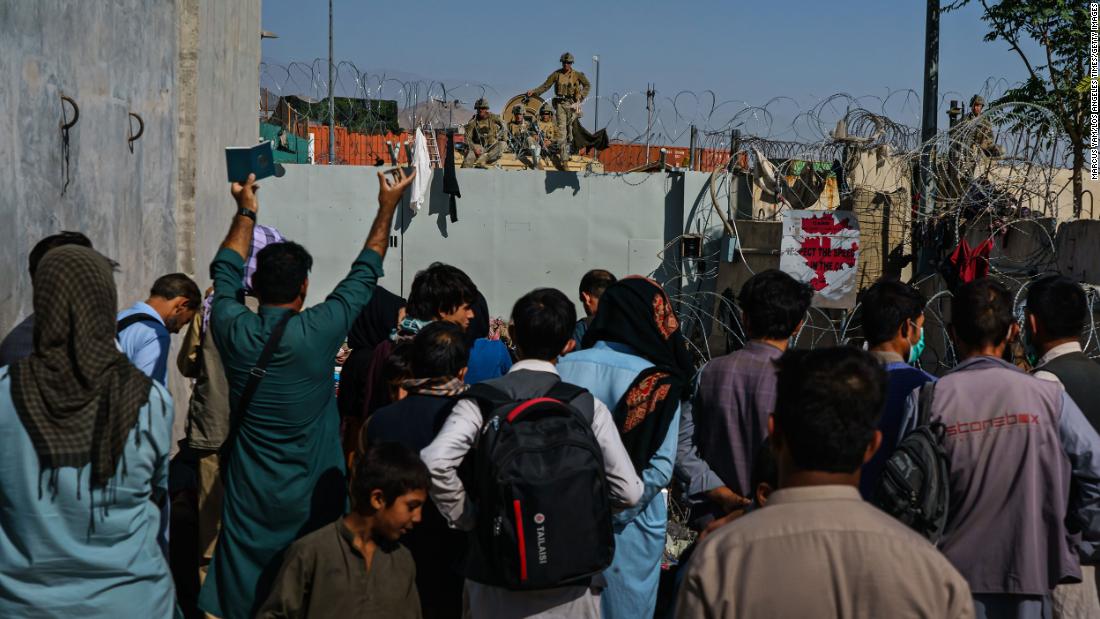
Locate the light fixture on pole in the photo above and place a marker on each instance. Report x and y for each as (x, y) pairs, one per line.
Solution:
(596, 112)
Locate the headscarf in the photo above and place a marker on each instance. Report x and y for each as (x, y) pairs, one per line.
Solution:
(377, 320)
(445, 386)
(371, 328)
(636, 312)
(77, 395)
(262, 236)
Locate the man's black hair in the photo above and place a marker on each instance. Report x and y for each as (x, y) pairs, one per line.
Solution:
(53, 241)
(439, 289)
(392, 468)
(828, 406)
(1059, 305)
(177, 285)
(885, 307)
(596, 281)
(281, 269)
(439, 349)
(543, 322)
(981, 313)
(774, 304)
(398, 365)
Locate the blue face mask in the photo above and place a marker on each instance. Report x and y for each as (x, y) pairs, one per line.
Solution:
(917, 349)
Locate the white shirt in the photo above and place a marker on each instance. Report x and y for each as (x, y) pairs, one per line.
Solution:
(1052, 354)
(446, 453)
(460, 431)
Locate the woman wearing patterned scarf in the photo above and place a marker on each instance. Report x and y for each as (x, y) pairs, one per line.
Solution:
(634, 355)
(85, 458)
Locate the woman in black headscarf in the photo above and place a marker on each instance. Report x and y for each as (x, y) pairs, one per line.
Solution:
(636, 361)
(374, 325)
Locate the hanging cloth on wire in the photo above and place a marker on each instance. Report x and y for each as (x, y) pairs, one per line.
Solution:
(450, 179)
(421, 162)
(971, 263)
(583, 138)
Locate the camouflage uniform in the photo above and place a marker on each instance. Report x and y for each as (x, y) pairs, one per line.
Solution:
(483, 141)
(569, 88)
(523, 143)
(981, 137)
(549, 131)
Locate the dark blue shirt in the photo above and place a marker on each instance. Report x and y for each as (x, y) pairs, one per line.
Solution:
(903, 379)
(488, 359)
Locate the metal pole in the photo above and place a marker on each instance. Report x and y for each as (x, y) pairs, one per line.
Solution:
(928, 122)
(649, 118)
(596, 112)
(691, 149)
(331, 100)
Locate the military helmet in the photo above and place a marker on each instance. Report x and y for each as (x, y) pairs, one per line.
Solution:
(517, 109)
(481, 104)
(977, 100)
(546, 109)
(566, 57)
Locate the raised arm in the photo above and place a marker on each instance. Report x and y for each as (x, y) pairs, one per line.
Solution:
(389, 195)
(239, 238)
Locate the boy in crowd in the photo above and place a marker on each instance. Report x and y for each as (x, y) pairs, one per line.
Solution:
(593, 284)
(541, 329)
(355, 567)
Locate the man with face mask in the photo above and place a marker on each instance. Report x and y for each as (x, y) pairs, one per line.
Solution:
(893, 325)
(144, 328)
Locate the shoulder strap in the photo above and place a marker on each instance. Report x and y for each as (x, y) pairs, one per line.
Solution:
(569, 393)
(924, 403)
(133, 319)
(256, 374)
(488, 397)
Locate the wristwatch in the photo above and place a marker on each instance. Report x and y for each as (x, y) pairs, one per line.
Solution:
(244, 212)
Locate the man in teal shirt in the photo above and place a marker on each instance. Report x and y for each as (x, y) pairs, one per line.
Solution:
(284, 470)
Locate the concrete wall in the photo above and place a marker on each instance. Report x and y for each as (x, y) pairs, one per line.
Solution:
(515, 231)
(112, 58)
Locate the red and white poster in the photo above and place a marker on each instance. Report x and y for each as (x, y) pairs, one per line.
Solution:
(821, 248)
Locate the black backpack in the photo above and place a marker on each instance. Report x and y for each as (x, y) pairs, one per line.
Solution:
(537, 481)
(914, 487)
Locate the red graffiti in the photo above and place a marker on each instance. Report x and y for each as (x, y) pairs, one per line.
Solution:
(822, 257)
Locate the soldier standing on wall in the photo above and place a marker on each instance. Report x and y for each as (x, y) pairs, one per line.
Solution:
(570, 89)
(484, 137)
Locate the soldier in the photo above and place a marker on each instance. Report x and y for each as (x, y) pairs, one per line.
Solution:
(484, 137)
(548, 130)
(519, 135)
(981, 137)
(570, 88)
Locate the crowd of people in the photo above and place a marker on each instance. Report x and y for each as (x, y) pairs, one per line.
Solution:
(471, 468)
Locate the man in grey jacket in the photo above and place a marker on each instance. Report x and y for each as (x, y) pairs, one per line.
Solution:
(1015, 445)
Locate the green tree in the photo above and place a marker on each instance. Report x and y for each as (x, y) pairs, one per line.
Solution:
(1060, 28)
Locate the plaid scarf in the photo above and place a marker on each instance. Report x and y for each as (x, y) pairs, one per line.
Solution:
(77, 396)
(446, 386)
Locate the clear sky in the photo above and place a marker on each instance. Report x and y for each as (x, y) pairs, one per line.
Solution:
(748, 52)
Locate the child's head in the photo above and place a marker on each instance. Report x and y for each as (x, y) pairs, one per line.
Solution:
(396, 368)
(390, 483)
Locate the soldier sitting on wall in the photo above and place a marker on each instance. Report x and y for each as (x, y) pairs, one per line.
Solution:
(981, 137)
(522, 136)
(548, 135)
(484, 137)
(570, 89)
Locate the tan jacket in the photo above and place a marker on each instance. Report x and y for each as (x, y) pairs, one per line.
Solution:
(820, 552)
(484, 132)
(573, 85)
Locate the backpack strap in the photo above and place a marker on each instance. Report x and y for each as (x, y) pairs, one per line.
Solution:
(133, 319)
(924, 403)
(570, 393)
(488, 398)
(257, 373)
